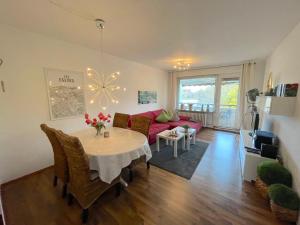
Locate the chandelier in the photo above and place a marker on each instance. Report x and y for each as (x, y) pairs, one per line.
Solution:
(182, 65)
(103, 86)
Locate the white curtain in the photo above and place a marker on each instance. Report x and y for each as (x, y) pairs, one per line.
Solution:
(172, 91)
(248, 76)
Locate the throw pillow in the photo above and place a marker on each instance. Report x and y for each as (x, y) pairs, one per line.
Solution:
(175, 117)
(163, 117)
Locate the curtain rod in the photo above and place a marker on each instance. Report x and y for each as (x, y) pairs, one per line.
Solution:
(211, 67)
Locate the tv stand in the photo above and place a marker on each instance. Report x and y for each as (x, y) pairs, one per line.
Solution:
(249, 161)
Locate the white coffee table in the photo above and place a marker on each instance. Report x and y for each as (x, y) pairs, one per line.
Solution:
(173, 140)
(190, 136)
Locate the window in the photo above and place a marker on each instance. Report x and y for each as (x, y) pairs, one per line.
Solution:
(197, 94)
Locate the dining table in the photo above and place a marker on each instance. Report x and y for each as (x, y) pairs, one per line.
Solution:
(109, 155)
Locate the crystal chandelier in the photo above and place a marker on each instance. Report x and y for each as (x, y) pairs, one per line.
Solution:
(182, 65)
(102, 86)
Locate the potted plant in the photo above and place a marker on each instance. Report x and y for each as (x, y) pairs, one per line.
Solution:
(186, 128)
(99, 123)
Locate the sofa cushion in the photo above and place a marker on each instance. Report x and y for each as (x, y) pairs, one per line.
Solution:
(156, 128)
(156, 113)
(195, 125)
(163, 117)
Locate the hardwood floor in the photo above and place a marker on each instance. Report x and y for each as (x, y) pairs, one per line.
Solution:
(216, 195)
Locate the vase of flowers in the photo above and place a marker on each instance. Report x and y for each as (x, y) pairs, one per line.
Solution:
(98, 123)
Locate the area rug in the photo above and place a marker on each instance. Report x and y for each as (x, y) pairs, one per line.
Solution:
(186, 162)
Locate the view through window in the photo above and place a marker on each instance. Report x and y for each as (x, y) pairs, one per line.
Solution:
(198, 93)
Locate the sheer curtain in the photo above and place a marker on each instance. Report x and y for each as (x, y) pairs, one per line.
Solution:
(246, 84)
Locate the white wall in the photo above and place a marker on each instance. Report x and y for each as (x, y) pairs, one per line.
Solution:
(24, 105)
(285, 66)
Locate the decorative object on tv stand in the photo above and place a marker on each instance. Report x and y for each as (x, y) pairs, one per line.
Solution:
(100, 84)
(98, 123)
(251, 99)
(147, 97)
(65, 93)
(270, 89)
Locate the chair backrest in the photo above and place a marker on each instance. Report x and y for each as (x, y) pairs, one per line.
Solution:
(121, 120)
(77, 161)
(141, 124)
(60, 159)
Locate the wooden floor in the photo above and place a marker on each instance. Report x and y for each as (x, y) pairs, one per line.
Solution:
(215, 195)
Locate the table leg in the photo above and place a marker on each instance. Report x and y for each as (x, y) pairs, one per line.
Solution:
(188, 142)
(157, 143)
(175, 149)
(183, 143)
(194, 138)
(123, 182)
(167, 142)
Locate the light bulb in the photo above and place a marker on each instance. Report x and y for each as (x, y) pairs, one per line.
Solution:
(79, 87)
(117, 102)
(92, 102)
(103, 107)
(124, 89)
(88, 69)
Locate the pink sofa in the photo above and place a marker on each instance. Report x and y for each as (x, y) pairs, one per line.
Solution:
(156, 127)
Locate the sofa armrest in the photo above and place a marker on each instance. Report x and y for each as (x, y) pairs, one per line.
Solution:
(185, 118)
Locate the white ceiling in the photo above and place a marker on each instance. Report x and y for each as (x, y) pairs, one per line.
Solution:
(156, 32)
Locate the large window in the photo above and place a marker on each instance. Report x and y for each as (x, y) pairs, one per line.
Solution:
(198, 93)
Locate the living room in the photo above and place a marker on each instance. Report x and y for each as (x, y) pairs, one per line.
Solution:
(186, 65)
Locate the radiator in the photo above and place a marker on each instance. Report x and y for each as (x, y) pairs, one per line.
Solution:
(205, 117)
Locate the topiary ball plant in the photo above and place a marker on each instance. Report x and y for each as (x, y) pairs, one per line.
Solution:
(274, 173)
(284, 196)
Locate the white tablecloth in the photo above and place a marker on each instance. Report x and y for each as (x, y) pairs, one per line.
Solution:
(110, 155)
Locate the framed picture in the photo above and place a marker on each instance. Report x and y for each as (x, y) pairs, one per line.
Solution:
(147, 97)
(65, 93)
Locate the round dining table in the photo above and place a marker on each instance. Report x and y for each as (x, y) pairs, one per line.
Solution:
(109, 155)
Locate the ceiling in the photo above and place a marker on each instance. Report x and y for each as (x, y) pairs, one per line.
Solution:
(157, 32)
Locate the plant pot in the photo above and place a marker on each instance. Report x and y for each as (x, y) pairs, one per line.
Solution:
(262, 188)
(284, 214)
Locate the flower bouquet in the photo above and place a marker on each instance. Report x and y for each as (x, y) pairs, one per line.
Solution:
(99, 123)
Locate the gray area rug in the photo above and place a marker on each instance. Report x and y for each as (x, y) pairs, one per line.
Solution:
(186, 162)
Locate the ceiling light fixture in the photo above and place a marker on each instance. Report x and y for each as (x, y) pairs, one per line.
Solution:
(182, 65)
(101, 85)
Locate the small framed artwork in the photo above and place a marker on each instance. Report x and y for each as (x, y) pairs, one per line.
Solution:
(65, 93)
(147, 97)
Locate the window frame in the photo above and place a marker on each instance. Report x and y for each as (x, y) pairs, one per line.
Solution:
(197, 77)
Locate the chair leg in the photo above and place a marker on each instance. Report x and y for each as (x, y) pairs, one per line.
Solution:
(85, 215)
(64, 191)
(70, 199)
(118, 189)
(148, 165)
(55, 181)
(130, 175)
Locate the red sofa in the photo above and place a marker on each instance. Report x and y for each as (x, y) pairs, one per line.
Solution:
(156, 127)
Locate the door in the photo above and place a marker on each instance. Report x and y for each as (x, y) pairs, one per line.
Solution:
(228, 107)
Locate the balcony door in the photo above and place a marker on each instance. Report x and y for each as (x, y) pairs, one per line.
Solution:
(228, 107)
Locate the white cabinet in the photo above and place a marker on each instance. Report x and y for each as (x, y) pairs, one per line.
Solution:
(249, 161)
(273, 105)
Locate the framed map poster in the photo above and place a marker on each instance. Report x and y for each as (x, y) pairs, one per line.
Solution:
(147, 97)
(65, 93)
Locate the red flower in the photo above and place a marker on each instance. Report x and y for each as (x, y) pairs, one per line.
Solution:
(108, 121)
(100, 114)
(95, 120)
(94, 124)
(88, 121)
(86, 116)
(108, 115)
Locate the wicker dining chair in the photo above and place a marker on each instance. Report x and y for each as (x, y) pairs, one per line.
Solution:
(61, 170)
(140, 124)
(121, 120)
(83, 185)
